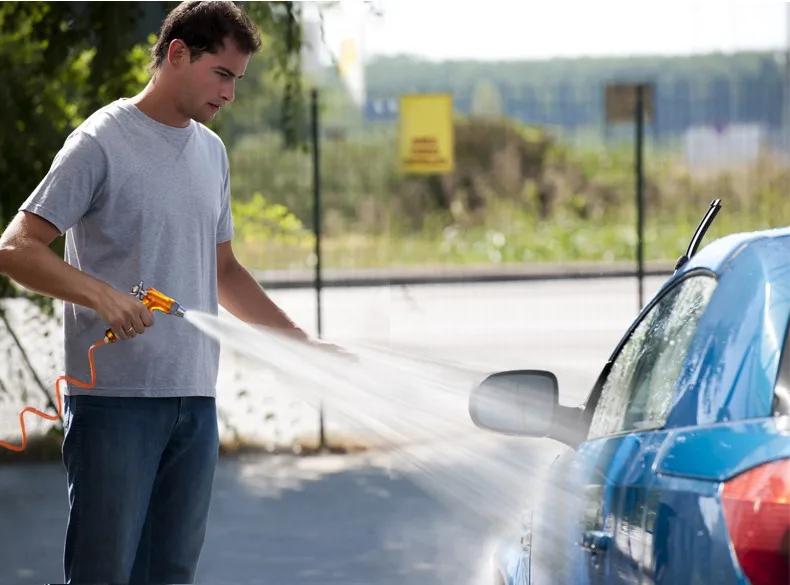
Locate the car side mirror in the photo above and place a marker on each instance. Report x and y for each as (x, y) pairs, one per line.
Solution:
(518, 402)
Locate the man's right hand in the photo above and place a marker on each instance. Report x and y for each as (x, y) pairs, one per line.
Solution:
(25, 257)
(125, 314)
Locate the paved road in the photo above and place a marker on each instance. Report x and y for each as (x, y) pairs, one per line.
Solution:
(331, 520)
(351, 519)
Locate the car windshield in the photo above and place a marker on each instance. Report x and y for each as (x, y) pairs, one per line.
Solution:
(639, 389)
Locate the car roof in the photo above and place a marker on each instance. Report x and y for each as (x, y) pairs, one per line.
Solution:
(718, 254)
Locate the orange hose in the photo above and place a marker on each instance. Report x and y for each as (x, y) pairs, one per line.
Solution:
(19, 448)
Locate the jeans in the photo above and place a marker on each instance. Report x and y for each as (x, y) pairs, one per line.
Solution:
(140, 475)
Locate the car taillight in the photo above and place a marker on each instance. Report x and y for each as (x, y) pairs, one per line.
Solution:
(757, 511)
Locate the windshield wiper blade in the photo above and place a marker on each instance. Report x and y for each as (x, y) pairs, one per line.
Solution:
(702, 228)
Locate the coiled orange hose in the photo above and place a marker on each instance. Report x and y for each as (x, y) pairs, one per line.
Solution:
(20, 448)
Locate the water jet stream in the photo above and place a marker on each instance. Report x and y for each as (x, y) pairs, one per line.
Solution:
(417, 406)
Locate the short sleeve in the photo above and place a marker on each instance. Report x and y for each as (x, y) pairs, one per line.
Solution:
(72, 184)
(225, 222)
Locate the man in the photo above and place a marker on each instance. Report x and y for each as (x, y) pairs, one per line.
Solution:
(142, 191)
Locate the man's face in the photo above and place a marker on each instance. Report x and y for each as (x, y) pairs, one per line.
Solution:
(209, 83)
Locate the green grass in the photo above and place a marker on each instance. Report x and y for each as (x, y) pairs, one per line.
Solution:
(512, 241)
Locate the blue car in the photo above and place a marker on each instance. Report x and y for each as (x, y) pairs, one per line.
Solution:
(677, 469)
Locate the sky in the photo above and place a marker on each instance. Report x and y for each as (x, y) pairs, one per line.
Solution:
(538, 29)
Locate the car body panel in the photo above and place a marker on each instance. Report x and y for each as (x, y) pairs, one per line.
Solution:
(685, 537)
(738, 349)
(652, 498)
(728, 449)
(511, 564)
(611, 489)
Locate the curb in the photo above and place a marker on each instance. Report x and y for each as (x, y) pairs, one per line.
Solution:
(419, 276)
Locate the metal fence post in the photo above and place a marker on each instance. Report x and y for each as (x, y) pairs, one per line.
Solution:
(640, 194)
(317, 216)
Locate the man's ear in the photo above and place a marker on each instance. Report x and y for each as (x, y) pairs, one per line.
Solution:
(177, 53)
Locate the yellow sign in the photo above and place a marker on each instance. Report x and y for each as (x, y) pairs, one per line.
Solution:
(426, 138)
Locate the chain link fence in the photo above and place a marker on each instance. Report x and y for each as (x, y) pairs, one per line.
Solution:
(527, 193)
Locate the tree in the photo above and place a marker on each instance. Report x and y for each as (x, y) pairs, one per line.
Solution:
(60, 61)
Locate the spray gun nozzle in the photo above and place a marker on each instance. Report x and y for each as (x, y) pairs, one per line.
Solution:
(178, 310)
(157, 301)
(154, 301)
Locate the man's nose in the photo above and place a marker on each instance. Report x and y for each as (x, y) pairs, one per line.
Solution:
(229, 92)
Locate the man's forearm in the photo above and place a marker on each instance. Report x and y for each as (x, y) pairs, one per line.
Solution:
(37, 268)
(244, 298)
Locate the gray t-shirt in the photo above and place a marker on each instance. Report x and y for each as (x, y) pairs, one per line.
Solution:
(140, 200)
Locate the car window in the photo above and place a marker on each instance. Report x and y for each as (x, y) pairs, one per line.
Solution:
(638, 391)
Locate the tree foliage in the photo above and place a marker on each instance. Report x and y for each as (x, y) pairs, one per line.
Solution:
(60, 61)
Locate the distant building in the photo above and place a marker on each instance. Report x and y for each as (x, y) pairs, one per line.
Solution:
(711, 148)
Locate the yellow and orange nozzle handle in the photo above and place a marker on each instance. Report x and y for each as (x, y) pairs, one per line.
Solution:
(155, 301)
(151, 298)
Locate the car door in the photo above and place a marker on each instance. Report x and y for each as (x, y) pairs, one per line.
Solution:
(589, 530)
(663, 339)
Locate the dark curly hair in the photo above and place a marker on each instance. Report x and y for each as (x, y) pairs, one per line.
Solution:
(204, 27)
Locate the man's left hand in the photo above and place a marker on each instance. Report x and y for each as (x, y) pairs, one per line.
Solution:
(332, 348)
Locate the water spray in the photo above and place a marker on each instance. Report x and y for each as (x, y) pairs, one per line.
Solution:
(154, 301)
(414, 407)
